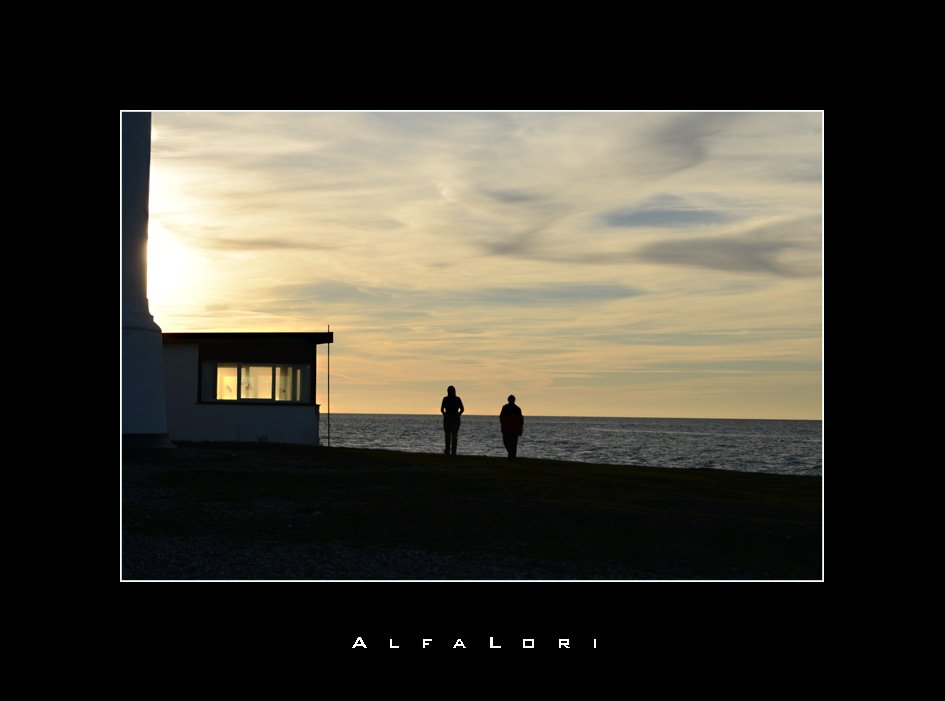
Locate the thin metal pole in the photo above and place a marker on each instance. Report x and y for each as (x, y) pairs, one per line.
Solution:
(328, 380)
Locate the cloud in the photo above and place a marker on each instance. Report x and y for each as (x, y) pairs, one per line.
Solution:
(783, 247)
(685, 139)
(336, 293)
(565, 293)
(525, 244)
(743, 255)
(510, 196)
(665, 211)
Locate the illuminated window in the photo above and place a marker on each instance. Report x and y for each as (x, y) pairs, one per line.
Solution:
(289, 383)
(255, 382)
(228, 383)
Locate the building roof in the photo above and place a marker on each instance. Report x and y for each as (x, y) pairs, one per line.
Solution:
(311, 337)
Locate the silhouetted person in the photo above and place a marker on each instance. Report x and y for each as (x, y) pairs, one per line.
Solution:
(512, 422)
(452, 408)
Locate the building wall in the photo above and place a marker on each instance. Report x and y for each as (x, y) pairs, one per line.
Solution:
(189, 420)
(143, 410)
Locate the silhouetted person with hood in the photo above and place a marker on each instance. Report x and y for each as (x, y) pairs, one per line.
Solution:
(452, 408)
(512, 422)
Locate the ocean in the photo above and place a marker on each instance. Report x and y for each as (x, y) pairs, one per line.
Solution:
(746, 445)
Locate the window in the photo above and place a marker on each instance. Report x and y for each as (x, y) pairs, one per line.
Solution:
(255, 382)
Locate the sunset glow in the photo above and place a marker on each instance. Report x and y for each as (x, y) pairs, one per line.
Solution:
(592, 264)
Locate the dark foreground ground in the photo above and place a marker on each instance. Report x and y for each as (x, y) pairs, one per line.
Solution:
(265, 512)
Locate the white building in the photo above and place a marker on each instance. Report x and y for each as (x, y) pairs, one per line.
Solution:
(243, 387)
(143, 421)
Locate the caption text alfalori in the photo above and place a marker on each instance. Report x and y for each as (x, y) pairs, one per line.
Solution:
(527, 643)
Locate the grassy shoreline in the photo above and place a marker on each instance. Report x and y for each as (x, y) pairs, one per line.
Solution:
(260, 511)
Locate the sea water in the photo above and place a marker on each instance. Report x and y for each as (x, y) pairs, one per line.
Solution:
(747, 445)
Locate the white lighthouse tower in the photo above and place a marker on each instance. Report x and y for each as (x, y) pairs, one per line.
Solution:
(143, 413)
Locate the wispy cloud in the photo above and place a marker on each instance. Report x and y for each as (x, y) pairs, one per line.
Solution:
(485, 248)
(761, 250)
(665, 211)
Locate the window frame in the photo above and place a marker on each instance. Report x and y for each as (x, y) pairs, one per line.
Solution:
(209, 369)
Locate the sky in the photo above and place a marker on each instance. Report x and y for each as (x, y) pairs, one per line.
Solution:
(640, 264)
